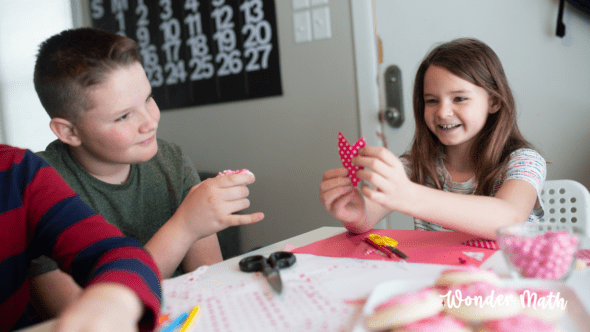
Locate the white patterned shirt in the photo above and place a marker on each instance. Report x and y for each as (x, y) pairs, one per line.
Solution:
(524, 164)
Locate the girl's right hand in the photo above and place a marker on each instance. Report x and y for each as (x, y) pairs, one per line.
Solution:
(340, 198)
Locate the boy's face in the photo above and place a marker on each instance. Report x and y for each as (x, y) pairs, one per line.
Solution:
(121, 126)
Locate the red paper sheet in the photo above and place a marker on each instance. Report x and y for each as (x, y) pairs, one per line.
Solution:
(444, 248)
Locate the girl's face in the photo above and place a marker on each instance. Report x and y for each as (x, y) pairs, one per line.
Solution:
(455, 110)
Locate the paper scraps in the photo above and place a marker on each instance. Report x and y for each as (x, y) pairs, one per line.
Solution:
(482, 243)
(347, 152)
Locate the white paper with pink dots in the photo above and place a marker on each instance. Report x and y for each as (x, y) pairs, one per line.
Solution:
(319, 294)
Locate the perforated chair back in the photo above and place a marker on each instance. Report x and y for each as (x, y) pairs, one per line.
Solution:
(567, 206)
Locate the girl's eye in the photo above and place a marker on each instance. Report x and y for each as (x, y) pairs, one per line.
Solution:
(122, 118)
(460, 98)
(430, 101)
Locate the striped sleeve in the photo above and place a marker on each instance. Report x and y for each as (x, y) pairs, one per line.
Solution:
(407, 165)
(527, 165)
(84, 244)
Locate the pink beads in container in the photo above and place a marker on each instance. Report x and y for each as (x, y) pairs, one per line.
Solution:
(533, 253)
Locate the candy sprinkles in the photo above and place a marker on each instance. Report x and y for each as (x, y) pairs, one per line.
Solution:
(547, 256)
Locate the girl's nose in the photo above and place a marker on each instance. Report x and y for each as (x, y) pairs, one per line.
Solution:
(444, 110)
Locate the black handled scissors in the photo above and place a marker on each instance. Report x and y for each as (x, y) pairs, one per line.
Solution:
(269, 267)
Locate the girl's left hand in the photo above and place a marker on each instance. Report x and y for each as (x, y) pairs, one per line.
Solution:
(390, 184)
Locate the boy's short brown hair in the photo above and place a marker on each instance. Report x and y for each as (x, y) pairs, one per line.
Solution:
(72, 62)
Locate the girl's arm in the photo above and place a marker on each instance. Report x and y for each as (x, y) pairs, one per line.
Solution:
(477, 215)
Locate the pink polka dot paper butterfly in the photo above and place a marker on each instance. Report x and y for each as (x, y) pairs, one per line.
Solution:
(347, 152)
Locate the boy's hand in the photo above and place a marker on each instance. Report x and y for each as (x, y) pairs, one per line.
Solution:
(340, 198)
(209, 206)
(102, 307)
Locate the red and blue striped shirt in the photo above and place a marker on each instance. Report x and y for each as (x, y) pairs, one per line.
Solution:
(41, 215)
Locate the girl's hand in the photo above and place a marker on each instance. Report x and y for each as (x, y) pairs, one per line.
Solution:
(340, 198)
(390, 184)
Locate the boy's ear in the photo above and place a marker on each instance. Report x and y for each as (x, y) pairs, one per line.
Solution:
(65, 131)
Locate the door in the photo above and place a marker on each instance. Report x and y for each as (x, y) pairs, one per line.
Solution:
(549, 76)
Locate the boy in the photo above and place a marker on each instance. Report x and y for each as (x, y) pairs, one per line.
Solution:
(93, 86)
(40, 214)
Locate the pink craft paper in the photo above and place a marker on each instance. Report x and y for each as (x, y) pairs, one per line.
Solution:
(347, 152)
(444, 248)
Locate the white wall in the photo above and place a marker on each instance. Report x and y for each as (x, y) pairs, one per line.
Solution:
(24, 24)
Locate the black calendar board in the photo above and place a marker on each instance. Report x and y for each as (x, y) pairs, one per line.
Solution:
(200, 52)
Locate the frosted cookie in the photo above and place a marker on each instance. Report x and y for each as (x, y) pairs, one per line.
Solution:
(229, 171)
(468, 274)
(481, 301)
(436, 323)
(405, 308)
(518, 323)
(545, 304)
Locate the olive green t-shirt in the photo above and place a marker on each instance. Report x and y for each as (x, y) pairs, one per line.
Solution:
(141, 205)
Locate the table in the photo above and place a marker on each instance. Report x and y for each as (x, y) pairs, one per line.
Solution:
(222, 279)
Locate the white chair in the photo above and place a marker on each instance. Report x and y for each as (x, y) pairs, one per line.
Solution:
(567, 206)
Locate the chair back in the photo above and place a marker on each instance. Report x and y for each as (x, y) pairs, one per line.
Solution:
(567, 206)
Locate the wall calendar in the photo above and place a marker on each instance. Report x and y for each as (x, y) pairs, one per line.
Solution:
(199, 52)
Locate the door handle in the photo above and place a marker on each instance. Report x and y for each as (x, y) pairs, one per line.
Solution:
(394, 112)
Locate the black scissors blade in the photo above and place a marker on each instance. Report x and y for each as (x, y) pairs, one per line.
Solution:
(269, 267)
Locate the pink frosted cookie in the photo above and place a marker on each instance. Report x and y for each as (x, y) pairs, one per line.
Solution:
(228, 171)
(404, 309)
(518, 323)
(436, 323)
(542, 303)
(480, 301)
(465, 275)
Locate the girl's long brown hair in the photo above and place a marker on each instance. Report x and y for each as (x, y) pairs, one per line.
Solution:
(475, 62)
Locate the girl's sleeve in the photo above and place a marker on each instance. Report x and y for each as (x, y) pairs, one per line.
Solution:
(527, 165)
(82, 243)
(407, 164)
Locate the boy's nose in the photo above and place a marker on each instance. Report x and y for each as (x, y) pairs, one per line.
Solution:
(149, 121)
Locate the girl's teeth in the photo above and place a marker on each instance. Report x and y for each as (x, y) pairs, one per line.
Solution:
(449, 126)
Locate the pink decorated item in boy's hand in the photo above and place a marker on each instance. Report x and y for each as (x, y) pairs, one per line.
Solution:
(228, 171)
(347, 152)
(546, 256)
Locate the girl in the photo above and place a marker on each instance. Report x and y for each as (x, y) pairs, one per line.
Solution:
(469, 168)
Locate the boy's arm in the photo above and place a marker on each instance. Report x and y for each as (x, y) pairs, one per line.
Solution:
(205, 251)
(207, 209)
(52, 292)
(102, 307)
(84, 244)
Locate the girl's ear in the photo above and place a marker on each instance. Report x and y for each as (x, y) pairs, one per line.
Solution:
(65, 131)
(494, 104)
